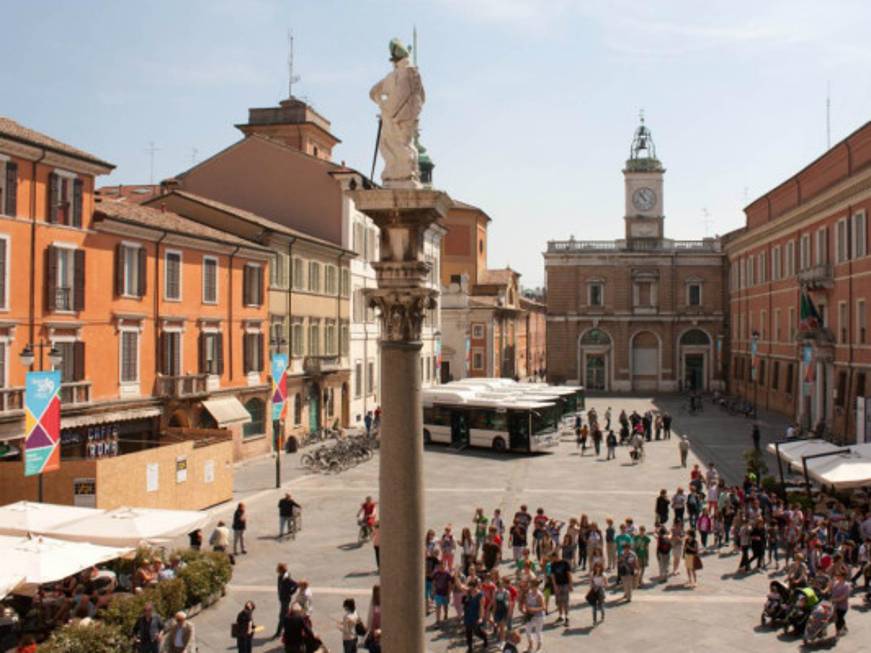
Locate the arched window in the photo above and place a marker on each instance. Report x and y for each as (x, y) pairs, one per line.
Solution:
(257, 425)
(596, 337)
(297, 409)
(695, 337)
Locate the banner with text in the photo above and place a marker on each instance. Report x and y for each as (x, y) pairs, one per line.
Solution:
(42, 422)
(279, 386)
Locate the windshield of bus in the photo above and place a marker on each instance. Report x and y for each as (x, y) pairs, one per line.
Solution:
(545, 420)
(571, 402)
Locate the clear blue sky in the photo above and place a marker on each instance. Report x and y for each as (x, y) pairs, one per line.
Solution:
(531, 104)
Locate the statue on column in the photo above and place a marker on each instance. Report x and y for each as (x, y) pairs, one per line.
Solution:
(400, 96)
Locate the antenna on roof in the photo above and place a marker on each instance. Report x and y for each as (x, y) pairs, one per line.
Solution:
(291, 78)
(828, 115)
(151, 149)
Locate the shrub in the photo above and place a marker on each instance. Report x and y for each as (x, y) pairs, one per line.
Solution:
(755, 463)
(93, 638)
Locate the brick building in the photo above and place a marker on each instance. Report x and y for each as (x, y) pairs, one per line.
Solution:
(644, 312)
(807, 236)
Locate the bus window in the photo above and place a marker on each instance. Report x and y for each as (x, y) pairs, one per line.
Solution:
(487, 419)
(518, 430)
(437, 416)
(545, 420)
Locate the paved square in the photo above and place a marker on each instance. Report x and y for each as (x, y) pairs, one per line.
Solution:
(721, 614)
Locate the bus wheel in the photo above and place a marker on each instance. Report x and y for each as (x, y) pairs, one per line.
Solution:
(427, 438)
(498, 444)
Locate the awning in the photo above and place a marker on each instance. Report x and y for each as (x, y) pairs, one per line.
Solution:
(132, 526)
(793, 452)
(26, 517)
(227, 411)
(90, 419)
(45, 560)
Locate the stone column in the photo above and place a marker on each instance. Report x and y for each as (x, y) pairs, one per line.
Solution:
(402, 215)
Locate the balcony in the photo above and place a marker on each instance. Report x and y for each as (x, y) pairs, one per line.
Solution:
(11, 399)
(816, 277)
(320, 365)
(635, 244)
(75, 392)
(63, 299)
(182, 386)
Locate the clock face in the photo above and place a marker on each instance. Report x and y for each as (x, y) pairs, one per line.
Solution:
(644, 198)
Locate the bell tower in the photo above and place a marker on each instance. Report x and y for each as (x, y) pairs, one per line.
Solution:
(643, 187)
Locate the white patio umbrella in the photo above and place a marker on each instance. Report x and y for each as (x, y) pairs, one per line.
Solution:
(26, 517)
(845, 470)
(132, 526)
(44, 560)
(8, 582)
(792, 452)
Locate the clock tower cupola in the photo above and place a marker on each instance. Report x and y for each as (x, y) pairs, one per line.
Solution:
(643, 183)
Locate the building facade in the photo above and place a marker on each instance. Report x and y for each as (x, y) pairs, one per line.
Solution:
(806, 242)
(642, 313)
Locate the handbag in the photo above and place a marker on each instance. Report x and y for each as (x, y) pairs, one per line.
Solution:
(234, 630)
(697, 563)
(359, 628)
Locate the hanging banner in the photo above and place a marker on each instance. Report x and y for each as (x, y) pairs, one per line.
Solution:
(808, 373)
(754, 358)
(279, 386)
(42, 422)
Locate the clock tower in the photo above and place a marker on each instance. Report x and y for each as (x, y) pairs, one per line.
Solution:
(643, 181)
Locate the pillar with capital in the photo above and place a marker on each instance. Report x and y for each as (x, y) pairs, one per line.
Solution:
(402, 296)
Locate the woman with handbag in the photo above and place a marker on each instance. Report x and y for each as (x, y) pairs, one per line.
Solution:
(596, 595)
(691, 557)
(243, 629)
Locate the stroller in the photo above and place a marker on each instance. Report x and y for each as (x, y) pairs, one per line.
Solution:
(798, 614)
(777, 605)
(818, 623)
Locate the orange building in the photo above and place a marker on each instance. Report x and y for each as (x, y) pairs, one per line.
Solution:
(157, 321)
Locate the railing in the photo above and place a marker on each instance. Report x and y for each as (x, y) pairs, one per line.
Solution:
(11, 399)
(315, 365)
(75, 392)
(63, 299)
(185, 385)
(634, 244)
(818, 276)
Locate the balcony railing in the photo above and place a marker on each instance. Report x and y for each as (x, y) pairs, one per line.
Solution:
(818, 276)
(317, 365)
(185, 385)
(75, 392)
(63, 299)
(11, 399)
(633, 244)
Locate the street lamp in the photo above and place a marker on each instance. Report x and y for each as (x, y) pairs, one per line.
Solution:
(27, 358)
(754, 366)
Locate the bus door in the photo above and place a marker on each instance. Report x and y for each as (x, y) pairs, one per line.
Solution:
(518, 430)
(459, 428)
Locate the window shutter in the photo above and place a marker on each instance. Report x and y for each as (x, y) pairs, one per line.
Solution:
(143, 272)
(219, 351)
(78, 361)
(51, 200)
(258, 292)
(50, 278)
(246, 285)
(246, 353)
(2, 280)
(79, 280)
(11, 188)
(202, 348)
(259, 341)
(119, 269)
(78, 187)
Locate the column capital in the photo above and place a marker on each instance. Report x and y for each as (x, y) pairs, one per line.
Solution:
(402, 311)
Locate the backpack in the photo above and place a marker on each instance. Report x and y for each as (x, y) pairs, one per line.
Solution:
(663, 546)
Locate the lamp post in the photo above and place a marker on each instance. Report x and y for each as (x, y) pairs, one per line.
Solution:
(27, 359)
(277, 344)
(754, 366)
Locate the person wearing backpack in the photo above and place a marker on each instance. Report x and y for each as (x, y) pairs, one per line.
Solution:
(611, 443)
(663, 553)
(626, 567)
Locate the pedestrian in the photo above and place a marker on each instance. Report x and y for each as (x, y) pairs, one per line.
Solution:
(626, 568)
(596, 595)
(662, 506)
(480, 522)
(373, 620)
(181, 636)
(657, 425)
(683, 446)
(349, 626)
(561, 579)
(533, 609)
(611, 442)
(298, 635)
(467, 544)
(148, 630)
(219, 540)
(841, 590)
(304, 597)
(503, 603)
(756, 436)
(376, 543)
(240, 523)
(244, 627)
(597, 440)
(448, 545)
(677, 537)
(286, 587)
(663, 551)
(641, 547)
(679, 504)
(691, 557)
(608, 418)
(473, 615)
(666, 425)
(442, 579)
(195, 539)
(286, 508)
(585, 432)
(367, 421)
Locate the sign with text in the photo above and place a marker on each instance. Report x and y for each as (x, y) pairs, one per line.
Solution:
(42, 422)
(85, 492)
(279, 386)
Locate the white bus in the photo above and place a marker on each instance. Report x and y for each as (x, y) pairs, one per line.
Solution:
(570, 398)
(461, 418)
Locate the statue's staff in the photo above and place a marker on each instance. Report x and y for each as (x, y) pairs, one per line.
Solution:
(375, 155)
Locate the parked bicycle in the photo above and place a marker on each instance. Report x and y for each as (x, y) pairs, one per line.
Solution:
(340, 455)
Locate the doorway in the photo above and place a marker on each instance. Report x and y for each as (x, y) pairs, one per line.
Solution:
(694, 372)
(445, 371)
(595, 374)
(314, 409)
(459, 429)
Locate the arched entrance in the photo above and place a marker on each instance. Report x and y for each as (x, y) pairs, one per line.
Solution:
(645, 361)
(694, 360)
(179, 419)
(594, 359)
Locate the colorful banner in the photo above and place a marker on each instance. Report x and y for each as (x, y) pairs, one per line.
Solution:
(279, 386)
(754, 357)
(808, 372)
(42, 422)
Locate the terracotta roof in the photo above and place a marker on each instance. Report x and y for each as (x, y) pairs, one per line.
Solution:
(501, 277)
(242, 214)
(166, 220)
(13, 130)
(458, 204)
(136, 193)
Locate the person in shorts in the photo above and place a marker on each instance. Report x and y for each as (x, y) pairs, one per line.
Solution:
(442, 580)
(561, 580)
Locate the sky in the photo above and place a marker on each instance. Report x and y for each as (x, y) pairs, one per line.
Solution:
(531, 104)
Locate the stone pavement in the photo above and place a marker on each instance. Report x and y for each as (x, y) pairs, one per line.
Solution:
(721, 614)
